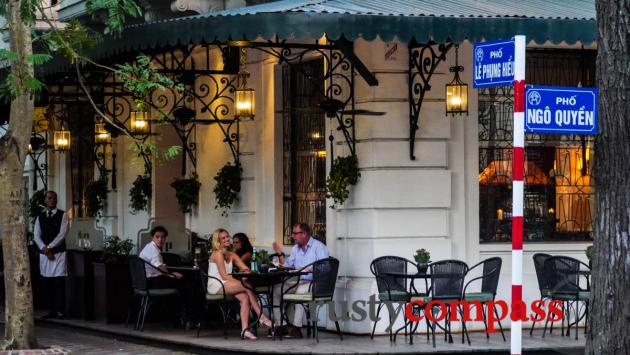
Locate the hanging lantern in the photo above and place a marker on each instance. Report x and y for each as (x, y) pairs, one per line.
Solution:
(101, 136)
(456, 90)
(245, 104)
(61, 141)
(140, 122)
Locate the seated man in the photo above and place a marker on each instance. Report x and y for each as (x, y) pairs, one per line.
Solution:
(160, 277)
(306, 250)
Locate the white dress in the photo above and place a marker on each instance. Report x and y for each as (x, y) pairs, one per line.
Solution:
(214, 286)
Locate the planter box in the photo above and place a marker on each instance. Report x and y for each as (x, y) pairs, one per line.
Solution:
(112, 292)
(80, 283)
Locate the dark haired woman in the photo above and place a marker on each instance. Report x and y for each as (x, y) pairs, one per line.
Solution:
(243, 247)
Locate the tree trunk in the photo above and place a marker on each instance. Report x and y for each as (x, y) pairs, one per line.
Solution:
(13, 149)
(610, 295)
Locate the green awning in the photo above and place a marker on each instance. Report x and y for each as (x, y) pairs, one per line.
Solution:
(539, 20)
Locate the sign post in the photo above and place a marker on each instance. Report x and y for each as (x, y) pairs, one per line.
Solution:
(503, 63)
(518, 169)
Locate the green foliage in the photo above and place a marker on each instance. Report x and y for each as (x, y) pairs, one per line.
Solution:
(139, 78)
(187, 192)
(114, 249)
(71, 40)
(117, 12)
(228, 186)
(39, 59)
(140, 193)
(6, 344)
(422, 256)
(6, 54)
(149, 149)
(344, 172)
(590, 252)
(95, 196)
(35, 204)
(262, 257)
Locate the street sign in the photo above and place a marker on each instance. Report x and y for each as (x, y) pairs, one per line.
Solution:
(560, 110)
(493, 63)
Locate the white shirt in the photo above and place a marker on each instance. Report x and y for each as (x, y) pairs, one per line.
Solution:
(57, 266)
(151, 254)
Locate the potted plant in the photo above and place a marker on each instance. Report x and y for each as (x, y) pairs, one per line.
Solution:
(262, 257)
(590, 251)
(344, 172)
(187, 192)
(112, 281)
(228, 186)
(140, 193)
(95, 196)
(423, 258)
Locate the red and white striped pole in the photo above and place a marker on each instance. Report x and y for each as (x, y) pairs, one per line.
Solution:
(517, 194)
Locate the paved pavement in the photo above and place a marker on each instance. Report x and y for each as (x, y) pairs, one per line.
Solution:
(79, 342)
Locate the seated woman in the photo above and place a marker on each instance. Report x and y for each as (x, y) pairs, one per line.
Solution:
(220, 266)
(242, 247)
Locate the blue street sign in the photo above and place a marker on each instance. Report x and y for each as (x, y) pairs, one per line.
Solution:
(560, 110)
(493, 63)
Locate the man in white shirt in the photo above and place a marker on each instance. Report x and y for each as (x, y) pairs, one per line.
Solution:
(50, 231)
(158, 275)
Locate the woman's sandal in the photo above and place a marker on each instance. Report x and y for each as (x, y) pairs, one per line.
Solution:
(246, 334)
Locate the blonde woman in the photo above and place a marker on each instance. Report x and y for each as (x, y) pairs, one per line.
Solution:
(220, 266)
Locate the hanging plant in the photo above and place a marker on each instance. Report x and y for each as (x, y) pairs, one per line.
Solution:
(95, 196)
(35, 204)
(228, 186)
(187, 192)
(140, 193)
(344, 172)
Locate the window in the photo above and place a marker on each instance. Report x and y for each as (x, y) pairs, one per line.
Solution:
(304, 147)
(559, 192)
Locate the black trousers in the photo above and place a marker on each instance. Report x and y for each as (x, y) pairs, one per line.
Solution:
(186, 290)
(56, 287)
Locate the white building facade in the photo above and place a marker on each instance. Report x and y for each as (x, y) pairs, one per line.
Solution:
(446, 200)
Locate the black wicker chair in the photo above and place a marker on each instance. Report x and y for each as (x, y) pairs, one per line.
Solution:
(321, 289)
(489, 283)
(221, 300)
(447, 284)
(539, 265)
(390, 289)
(141, 289)
(562, 275)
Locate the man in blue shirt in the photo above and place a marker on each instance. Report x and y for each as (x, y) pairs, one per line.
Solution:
(306, 251)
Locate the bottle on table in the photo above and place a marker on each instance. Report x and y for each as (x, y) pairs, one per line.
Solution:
(254, 264)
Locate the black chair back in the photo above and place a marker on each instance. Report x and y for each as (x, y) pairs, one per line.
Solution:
(491, 272)
(324, 278)
(384, 264)
(562, 274)
(447, 279)
(138, 273)
(539, 264)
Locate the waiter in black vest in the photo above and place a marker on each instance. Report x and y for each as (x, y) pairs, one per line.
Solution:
(50, 236)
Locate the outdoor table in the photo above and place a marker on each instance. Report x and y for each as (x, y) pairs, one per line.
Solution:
(191, 276)
(266, 280)
(413, 277)
(412, 291)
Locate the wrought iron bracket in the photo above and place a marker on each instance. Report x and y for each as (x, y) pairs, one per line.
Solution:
(39, 147)
(424, 58)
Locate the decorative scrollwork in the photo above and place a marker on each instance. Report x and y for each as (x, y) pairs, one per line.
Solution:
(423, 60)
